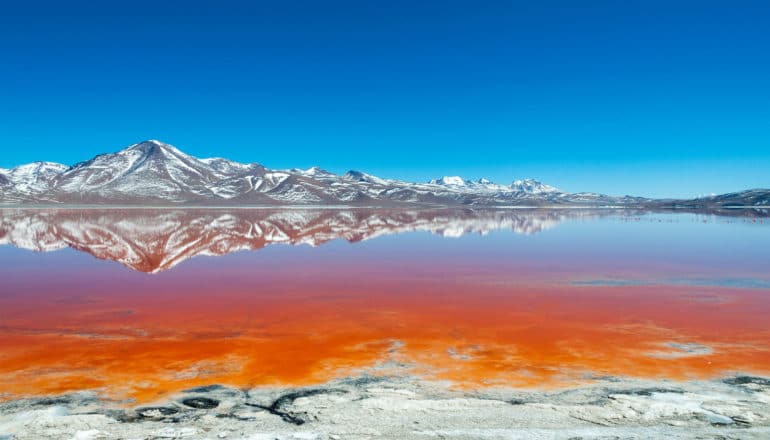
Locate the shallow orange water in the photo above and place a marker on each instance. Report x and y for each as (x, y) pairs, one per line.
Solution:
(142, 339)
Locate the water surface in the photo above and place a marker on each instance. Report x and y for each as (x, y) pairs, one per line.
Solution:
(141, 303)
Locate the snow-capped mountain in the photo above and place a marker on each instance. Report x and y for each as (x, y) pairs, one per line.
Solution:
(451, 181)
(457, 183)
(533, 186)
(36, 177)
(154, 173)
(156, 240)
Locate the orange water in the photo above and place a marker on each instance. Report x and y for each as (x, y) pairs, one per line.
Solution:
(143, 342)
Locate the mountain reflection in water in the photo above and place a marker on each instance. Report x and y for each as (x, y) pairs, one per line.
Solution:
(157, 240)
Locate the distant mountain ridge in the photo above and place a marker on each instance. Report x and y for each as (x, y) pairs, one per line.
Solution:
(152, 173)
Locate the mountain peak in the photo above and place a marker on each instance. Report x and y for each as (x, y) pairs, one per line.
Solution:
(150, 143)
(449, 180)
(156, 143)
(360, 176)
(532, 186)
(153, 145)
(316, 171)
(39, 167)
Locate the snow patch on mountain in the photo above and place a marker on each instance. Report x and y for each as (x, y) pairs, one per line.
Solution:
(450, 181)
(457, 183)
(225, 167)
(34, 178)
(315, 172)
(359, 176)
(532, 186)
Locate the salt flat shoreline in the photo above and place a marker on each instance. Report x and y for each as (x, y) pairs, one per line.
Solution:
(371, 407)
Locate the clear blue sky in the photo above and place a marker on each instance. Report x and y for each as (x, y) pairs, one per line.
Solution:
(656, 98)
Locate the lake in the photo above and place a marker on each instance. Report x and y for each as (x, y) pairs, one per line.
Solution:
(136, 304)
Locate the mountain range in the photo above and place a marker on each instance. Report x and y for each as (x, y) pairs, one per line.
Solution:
(152, 173)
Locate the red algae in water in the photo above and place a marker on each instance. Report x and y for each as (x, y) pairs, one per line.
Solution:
(142, 343)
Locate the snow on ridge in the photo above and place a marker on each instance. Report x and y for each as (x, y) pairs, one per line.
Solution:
(33, 178)
(37, 168)
(457, 183)
(450, 181)
(314, 171)
(223, 165)
(167, 150)
(532, 186)
(360, 176)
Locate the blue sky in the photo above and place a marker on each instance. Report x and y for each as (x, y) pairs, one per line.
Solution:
(656, 98)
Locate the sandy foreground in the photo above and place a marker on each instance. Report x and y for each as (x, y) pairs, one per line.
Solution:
(371, 407)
